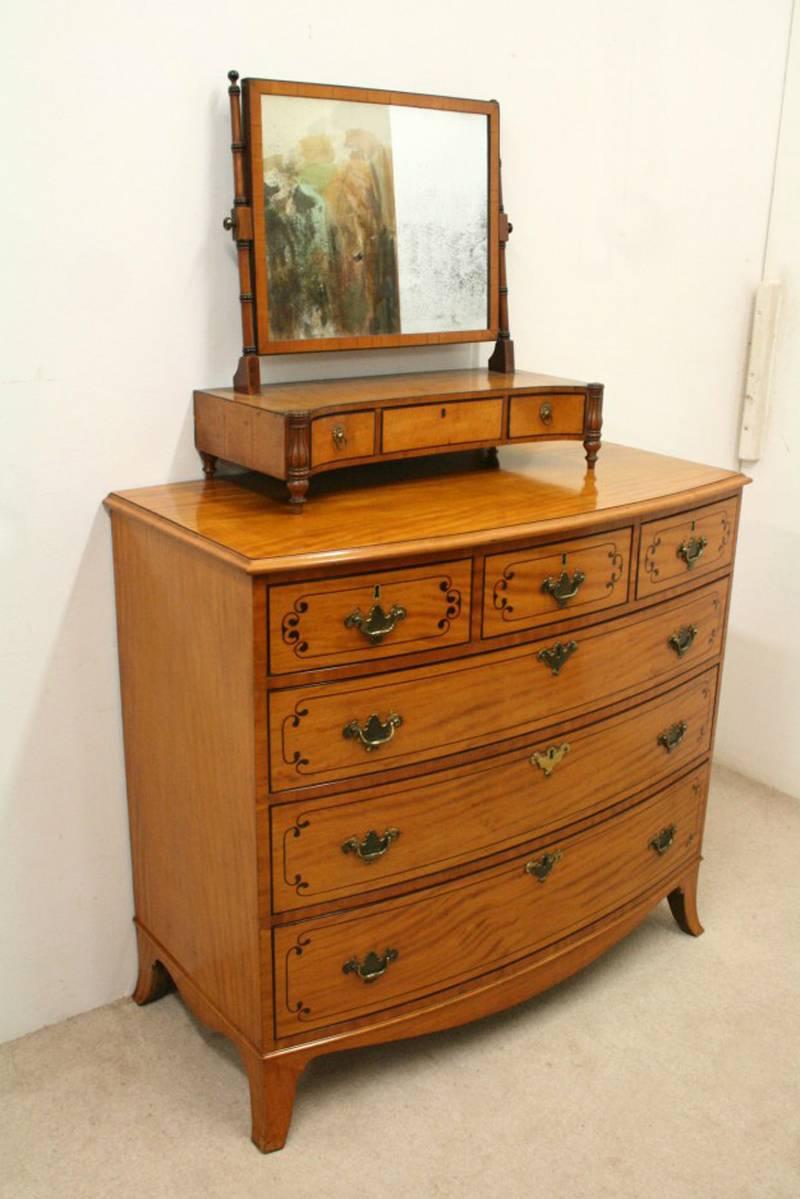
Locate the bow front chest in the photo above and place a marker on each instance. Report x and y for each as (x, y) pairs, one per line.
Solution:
(420, 754)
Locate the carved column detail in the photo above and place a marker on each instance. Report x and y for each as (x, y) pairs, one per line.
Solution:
(298, 432)
(593, 423)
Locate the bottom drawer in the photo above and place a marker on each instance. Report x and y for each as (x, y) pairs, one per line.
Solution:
(342, 967)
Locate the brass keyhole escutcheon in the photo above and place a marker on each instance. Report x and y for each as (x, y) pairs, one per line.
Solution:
(540, 868)
(551, 757)
(557, 655)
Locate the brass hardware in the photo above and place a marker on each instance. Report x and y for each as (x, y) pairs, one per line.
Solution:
(557, 656)
(662, 842)
(373, 846)
(375, 732)
(231, 223)
(539, 868)
(372, 967)
(377, 624)
(548, 761)
(563, 589)
(682, 640)
(692, 550)
(546, 413)
(672, 737)
(339, 437)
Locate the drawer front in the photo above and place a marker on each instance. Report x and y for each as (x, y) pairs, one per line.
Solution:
(339, 438)
(446, 935)
(334, 621)
(426, 425)
(325, 850)
(682, 547)
(329, 731)
(532, 587)
(545, 416)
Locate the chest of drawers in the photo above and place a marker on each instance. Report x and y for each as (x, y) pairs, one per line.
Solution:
(421, 754)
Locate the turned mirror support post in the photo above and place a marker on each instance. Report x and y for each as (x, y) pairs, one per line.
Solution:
(240, 223)
(502, 359)
(297, 458)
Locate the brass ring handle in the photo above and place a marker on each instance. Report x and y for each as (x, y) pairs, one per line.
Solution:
(682, 640)
(375, 732)
(377, 624)
(563, 589)
(373, 965)
(540, 868)
(662, 842)
(692, 550)
(557, 655)
(339, 437)
(373, 846)
(546, 413)
(672, 737)
(551, 757)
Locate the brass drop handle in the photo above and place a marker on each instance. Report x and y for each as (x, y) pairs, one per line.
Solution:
(564, 588)
(546, 413)
(551, 757)
(672, 737)
(377, 624)
(682, 640)
(375, 732)
(691, 550)
(373, 965)
(339, 437)
(662, 842)
(557, 655)
(540, 868)
(373, 846)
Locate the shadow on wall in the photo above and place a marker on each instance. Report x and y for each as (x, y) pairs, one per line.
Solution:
(67, 916)
(757, 729)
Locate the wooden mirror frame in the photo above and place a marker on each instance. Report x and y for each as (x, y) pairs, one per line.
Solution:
(247, 224)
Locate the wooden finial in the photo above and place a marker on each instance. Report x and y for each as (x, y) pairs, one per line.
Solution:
(234, 78)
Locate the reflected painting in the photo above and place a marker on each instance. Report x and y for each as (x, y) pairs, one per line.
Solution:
(376, 218)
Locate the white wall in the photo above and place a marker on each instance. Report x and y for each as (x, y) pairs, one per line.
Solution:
(759, 723)
(638, 141)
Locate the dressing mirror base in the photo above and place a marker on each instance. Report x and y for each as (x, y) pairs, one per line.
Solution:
(294, 431)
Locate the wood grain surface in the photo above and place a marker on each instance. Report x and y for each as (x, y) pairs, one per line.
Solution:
(515, 596)
(456, 816)
(307, 621)
(429, 506)
(484, 921)
(428, 425)
(483, 699)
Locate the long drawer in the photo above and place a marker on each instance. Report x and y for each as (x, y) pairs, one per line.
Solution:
(345, 966)
(331, 848)
(328, 731)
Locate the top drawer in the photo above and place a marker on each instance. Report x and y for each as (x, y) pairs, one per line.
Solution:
(426, 425)
(525, 588)
(691, 543)
(546, 416)
(331, 622)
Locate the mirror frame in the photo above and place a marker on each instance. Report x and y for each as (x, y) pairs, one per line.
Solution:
(253, 90)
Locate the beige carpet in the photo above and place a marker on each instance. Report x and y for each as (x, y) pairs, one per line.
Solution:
(669, 1069)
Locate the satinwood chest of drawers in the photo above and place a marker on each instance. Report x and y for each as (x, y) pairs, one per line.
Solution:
(422, 753)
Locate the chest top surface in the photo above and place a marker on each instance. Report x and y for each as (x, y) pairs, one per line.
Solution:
(424, 507)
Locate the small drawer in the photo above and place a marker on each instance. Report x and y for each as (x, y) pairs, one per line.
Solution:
(339, 438)
(427, 425)
(525, 588)
(331, 622)
(546, 415)
(324, 850)
(327, 731)
(682, 547)
(348, 965)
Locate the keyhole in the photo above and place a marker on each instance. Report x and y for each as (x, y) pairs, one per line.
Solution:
(444, 412)
(563, 559)
(376, 592)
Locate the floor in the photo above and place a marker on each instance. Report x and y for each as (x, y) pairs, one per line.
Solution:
(668, 1069)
